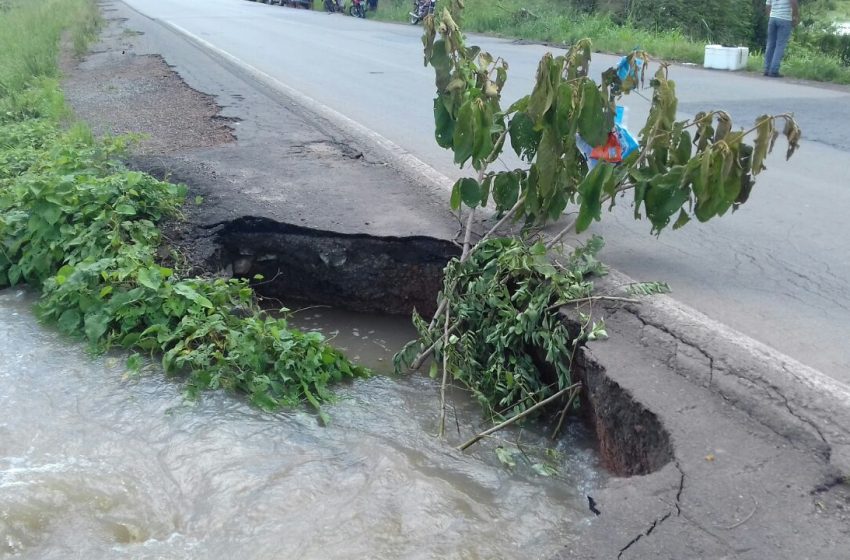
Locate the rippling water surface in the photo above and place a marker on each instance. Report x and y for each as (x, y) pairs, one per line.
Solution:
(96, 464)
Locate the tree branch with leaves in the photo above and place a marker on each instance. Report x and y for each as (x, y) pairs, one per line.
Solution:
(498, 306)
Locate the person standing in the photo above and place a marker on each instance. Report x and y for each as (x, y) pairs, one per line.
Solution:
(784, 16)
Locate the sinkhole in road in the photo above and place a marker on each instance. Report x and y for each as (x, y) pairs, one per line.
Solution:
(358, 290)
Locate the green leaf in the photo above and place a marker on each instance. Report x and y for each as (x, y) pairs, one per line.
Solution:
(665, 196)
(543, 95)
(683, 149)
(470, 191)
(648, 288)
(505, 190)
(544, 470)
(191, 294)
(14, 274)
(95, 326)
(63, 274)
(683, 219)
(486, 186)
(465, 131)
(548, 163)
(134, 362)
(524, 137)
(483, 144)
(593, 125)
(761, 145)
(50, 213)
(149, 278)
(455, 199)
(69, 321)
(125, 210)
(591, 189)
(505, 456)
(444, 124)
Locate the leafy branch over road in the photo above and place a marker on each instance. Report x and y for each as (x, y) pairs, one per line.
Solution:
(496, 329)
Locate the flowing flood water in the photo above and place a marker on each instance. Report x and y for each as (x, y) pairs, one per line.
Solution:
(95, 464)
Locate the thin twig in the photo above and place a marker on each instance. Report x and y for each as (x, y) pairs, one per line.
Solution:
(561, 234)
(519, 416)
(309, 307)
(440, 308)
(591, 299)
(272, 279)
(744, 520)
(417, 363)
(457, 421)
(442, 428)
(508, 215)
(563, 414)
(467, 235)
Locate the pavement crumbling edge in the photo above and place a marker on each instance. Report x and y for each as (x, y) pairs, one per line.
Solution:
(796, 401)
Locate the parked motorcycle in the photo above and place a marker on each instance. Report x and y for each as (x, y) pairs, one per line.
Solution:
(421, 8)
(357, 8)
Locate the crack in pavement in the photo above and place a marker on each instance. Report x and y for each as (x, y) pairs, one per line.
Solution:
(773, 392)
(679, 340)
(659, 520)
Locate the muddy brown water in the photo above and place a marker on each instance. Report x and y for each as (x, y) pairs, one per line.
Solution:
(96, 464)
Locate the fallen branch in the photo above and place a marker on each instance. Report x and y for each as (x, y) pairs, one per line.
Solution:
(417, 363)
(519, 416)
(561, 234)
(563, 414)
(508, 215)
(442, 429)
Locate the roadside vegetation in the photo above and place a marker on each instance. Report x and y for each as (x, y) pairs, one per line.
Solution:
(670, 30)
(79, 226)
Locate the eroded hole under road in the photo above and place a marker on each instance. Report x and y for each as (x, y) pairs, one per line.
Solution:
(393, 276)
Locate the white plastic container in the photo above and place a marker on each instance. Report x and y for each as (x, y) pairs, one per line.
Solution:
(726, 58)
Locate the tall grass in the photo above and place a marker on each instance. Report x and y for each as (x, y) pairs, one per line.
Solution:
(30, 34)
(555, 21)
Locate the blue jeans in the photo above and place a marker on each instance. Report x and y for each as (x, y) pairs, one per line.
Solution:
(778, 33)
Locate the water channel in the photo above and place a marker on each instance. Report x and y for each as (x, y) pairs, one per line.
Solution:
(95, 463)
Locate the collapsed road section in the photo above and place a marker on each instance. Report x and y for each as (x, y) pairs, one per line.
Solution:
(726, 466)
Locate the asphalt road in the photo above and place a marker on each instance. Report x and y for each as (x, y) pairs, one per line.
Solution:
(777, 270)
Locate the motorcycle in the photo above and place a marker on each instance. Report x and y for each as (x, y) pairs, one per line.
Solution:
(421, 8)
(357, 8)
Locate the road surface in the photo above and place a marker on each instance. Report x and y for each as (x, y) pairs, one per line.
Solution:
(777, 270)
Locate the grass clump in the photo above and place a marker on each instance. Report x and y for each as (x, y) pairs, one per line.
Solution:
(79, 225)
